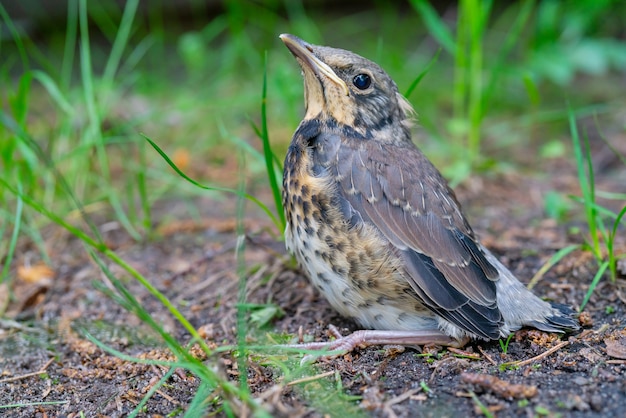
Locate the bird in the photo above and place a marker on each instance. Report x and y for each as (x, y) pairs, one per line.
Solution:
(376, 227)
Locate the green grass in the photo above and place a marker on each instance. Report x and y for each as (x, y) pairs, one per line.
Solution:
(602, 223)
(92, 117)
(504, 343)
(481, 406)
(601, 236)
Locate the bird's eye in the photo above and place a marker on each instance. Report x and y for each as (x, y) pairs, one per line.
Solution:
(362, 81)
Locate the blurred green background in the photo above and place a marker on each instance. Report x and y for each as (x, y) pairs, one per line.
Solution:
(80, 80)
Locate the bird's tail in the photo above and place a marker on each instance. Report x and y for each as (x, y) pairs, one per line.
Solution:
(520, 307)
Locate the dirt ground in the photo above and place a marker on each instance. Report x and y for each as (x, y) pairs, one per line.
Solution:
(46, 358)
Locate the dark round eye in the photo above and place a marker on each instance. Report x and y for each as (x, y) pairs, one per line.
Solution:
(362, 81)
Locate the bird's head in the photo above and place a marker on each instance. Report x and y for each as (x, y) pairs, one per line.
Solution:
(350, 89)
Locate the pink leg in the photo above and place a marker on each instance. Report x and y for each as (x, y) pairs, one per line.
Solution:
(365, 338)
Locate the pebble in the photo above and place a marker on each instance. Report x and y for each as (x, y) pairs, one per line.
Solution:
(596, 402)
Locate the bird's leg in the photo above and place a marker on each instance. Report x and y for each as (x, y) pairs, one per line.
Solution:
(365, 338)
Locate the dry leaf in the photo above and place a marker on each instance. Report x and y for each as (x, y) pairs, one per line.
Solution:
(616, 347)
(35, 274)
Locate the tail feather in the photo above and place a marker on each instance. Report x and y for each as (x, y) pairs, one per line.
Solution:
(563, 320)
(520, 307)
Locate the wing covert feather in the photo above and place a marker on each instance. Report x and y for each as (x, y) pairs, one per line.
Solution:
(411, 205)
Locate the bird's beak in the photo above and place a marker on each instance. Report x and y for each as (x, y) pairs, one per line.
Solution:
(304, 52)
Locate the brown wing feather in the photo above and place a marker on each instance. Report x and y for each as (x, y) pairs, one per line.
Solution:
(410, 203)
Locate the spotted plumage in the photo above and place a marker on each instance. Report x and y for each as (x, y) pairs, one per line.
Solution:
(374, 224)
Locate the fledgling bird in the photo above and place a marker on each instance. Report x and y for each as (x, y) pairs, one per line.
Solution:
(377, 229)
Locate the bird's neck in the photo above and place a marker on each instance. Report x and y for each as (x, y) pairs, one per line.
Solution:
(309, 129)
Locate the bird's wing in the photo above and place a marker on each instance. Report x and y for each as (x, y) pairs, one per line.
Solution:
(397, 189)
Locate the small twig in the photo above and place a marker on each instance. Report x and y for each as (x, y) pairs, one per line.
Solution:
(400, 398)
(310, 378)
(271, 392)
(603, 328)
(539, 357)
(253, 239)
(24, 376)
(440, 364)
(499, 387)
(9, 323)
(168, 397)
(487, 356)
(616, 361)
(388, 412)
(463, 353)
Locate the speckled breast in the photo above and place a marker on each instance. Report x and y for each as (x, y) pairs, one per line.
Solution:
(351, 265)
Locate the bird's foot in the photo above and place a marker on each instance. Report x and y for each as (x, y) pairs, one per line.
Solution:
(365, 338)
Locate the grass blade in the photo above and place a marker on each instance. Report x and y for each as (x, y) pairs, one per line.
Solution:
(253, 199)
(33, 145)
(53, 90)
(594, 283)
(121, 40)
(436, 27)
(16, 37)
(584, 182)
(512, 38)
(17, 222)
(94, 125)
(423, 73)
(267, 151)
(556, 257)
(610, 244)
(70, 43)
(241, 274)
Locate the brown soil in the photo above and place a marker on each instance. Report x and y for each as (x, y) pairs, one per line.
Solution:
(45, 355)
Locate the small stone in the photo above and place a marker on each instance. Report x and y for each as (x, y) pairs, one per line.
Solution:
(581, 381)
(596, 402)
(576, 402)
